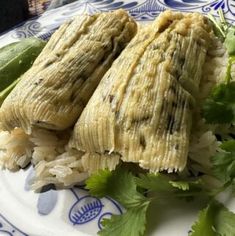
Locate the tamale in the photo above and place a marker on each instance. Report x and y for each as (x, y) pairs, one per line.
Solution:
(55, 90)
(142, 110)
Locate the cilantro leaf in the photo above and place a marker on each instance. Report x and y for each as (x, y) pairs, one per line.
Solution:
(204, 224)
(218, 28)
(214, 220)
(182, 185)
(220, 106)
(155, 183)
(224, 220)
(120, 185)
(131, 223)
(224, 93)
(229, 41)
(98, 183)
(228, 146)
(225, 31)
(224, 162)
(217, 112)
(162, 185)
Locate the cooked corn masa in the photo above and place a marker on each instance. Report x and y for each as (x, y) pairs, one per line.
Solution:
(142, 110)
(55, 90)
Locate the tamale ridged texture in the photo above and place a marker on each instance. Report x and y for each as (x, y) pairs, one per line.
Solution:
(142, 110)
(53, 93)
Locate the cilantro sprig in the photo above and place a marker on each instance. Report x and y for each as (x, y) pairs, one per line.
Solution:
(131, 190)
(136, 193)
(214, 220)
(219, 107)
(224, 163)
(121, 186)
(225, 31)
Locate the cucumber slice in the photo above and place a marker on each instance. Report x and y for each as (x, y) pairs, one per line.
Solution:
(17, 58)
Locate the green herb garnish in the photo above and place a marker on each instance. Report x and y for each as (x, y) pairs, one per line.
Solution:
(131, 191)
(214, 220)
(121, 186)
(219, 107)
(224, 162)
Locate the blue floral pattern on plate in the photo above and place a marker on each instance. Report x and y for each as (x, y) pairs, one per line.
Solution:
(48, 195)
(83, 210)
(44, 26)
(183, 4)
(87, 208)
(47, 200)
(6, 228)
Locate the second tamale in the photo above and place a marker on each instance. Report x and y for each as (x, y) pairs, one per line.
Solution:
(142, 110)
(55, 90)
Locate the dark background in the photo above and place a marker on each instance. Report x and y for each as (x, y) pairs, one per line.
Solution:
(12, 12)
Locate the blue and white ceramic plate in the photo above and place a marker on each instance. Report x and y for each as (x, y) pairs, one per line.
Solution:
(72, 211)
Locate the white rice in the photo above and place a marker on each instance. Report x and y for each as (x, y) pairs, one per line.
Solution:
(47, 151)
(65, 169)
(15, 149)
(48, 144)
(55, 163)
(203, 143)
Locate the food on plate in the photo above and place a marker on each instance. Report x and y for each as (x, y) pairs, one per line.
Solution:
(159, 126)
(142, 110)
(211, 159)
(73, 165)
(15, 59)
(64, 76)
(53, 92)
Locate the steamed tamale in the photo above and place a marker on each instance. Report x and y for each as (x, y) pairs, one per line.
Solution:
(141, 112)
(55, 90)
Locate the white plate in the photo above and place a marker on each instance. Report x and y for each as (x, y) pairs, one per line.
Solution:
(73, 211)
